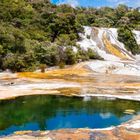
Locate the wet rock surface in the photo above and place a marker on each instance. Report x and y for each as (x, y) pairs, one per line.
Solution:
(70, 82)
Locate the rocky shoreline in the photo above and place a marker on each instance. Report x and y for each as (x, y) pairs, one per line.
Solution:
(74, 82)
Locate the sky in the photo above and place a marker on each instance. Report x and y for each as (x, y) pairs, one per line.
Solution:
(98, 3)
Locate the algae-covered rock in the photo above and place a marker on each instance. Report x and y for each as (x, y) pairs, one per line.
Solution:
(129, 111)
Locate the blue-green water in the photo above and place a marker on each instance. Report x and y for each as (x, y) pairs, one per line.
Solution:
(56, 112)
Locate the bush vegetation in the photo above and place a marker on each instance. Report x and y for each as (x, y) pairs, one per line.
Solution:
(126, 36)
(36, 32)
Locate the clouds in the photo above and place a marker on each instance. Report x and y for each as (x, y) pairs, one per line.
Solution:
(131, 3)
(73, 3)
(119, 1)
(98, 3)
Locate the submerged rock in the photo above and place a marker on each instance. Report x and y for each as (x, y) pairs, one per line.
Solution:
(129, 111)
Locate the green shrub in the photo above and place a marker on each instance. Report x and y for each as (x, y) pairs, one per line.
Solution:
(88, 36)
(42, 67)
(93, 55)
(70, 56)
(61, 65)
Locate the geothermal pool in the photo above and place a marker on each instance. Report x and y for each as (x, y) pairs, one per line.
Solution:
(57, 112)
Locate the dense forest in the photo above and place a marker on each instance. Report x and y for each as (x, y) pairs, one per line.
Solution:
(35, 33)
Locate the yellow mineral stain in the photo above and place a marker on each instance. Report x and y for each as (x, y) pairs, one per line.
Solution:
(112, 49)
(55, 73)
(69, 91)
(22, 132)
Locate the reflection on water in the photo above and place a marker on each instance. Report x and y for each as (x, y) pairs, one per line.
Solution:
(55, 112)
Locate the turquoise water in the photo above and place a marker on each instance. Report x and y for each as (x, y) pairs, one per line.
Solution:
(56, 112)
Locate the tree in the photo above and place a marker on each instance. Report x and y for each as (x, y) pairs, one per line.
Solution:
(126, 36)
(121, 10)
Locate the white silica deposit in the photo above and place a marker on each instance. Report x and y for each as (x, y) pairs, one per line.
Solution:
(111, 64)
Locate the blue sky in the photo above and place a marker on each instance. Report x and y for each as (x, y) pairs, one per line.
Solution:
(98, 3)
